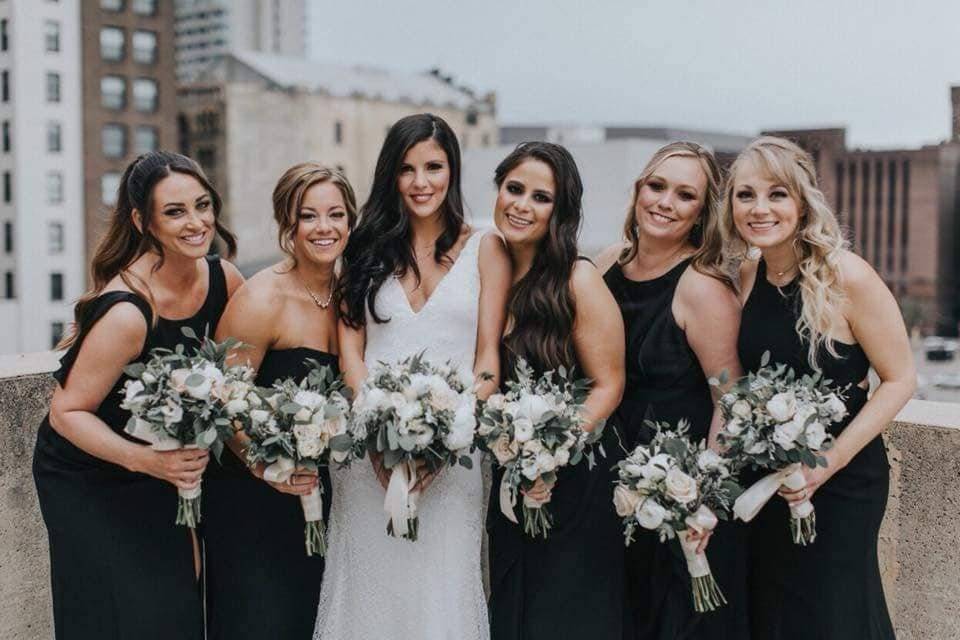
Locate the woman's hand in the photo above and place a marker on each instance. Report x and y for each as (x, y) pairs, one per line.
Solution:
(425, 477)
(383, 474)
(814, 478)
(301, 483)
(182, 468)
(540, 491)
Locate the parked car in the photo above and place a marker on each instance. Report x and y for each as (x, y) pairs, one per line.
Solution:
(939, 349)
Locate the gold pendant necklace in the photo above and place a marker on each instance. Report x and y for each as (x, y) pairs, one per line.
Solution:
(323, 304)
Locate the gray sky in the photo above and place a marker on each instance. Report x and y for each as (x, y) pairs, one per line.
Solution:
(881, 68)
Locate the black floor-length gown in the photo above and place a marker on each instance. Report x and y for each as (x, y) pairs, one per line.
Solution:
(260, 582)
(570, 585)
(665, 383)
(120, 567)
(831, 589)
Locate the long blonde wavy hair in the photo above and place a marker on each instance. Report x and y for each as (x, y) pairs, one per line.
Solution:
(817, 242)
(705, 236)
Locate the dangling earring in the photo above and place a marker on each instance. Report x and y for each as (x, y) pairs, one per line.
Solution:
(754, 253)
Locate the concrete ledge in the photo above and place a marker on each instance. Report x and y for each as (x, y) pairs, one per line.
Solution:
(919, 540)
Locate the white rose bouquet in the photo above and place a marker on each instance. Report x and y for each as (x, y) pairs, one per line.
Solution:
(415, 414)
(180, 399)
(302, 426)
(672, 485)
(533, 430)
(776, 421)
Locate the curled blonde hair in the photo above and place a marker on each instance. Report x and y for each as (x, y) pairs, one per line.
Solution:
(705, 236)
(288, 198)
(817, 243)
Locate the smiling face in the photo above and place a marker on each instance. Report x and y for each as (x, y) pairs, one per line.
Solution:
(183, 221)
(765, 213)
(525, 202)
(424, 178)
(669, 202)
(322, 225)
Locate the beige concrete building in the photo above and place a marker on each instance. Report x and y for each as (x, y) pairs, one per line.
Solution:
(252, 115)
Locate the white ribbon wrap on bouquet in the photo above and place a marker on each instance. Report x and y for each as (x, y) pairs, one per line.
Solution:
(748, 505)
(508, 500)
(701, 521)
(312, 503)
(160, 441)
(400, 502)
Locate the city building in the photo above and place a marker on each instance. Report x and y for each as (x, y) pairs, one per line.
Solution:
(209, 29)
(129, 96)
(250, 116)
(41, 184)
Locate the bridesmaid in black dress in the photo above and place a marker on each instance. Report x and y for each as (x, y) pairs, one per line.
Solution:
(681, 316)
(260, 582)
(816, 306)
(120, 568)
(570, 585)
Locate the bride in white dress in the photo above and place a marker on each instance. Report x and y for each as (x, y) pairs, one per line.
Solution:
(416, 278)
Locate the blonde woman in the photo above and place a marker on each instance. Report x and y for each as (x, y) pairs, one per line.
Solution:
(816, 306)
(260, 583)
(681, 317)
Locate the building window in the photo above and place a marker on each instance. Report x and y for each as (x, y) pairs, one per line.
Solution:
(109, 184)
(111, 5)
(56, 334)
(145, 95)
(144, 47)
(144, 7)
(54, 187)
(56, 287)
(6, 136)
(338, 132)
(8, 237)
(113, 140)
(55, 237)
(485, 139)
(9, 292)
(7, 187)
(113, 92)
(51, 36)
(53, 87)
(111, 43)
(54, 137)
(145, 139)
(4, 43)
(472, 117)
(207, 158)
(5, 86)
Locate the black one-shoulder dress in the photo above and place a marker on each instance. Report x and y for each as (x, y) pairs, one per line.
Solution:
(570, 585)
(831, 589)
(665, 383)
(260, 583)
(120, 567)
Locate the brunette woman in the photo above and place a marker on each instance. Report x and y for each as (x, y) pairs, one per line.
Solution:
(120, 568)
(817, 307)
(260, 582)
(560, 313)
(416, 279)
(681, 315)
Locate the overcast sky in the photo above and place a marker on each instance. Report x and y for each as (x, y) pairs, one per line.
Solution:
(879, 67)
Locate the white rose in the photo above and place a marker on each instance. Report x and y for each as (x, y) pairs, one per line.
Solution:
(178, 379)
(259, 416)
(532, 447)
(172, 413)
(522, 429)
(835, 408)
(709, 459)
(336, 425)
(236, 407)
(504, 449)
(656, 467)
(424, 437)
(650, 514)
(625, 500)
(532, 406)
(815, 434)
(562, 457)
(309, 399)
(529, 468)
(741, 409)
(546, 461)
(680, 486)
(786, 434)
(465, 377)
(409, 411)
(397, 400)
(782, 406)
(757, 448)
(497, 401)
(372, 399)
(303, 415)
(463, 427)
(734, 427)
(419, 386)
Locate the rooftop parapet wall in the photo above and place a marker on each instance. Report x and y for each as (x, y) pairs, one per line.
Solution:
(919, 541)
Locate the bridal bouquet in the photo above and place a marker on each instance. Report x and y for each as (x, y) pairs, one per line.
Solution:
(672, 485)
(187, 400)
(533, 430)
(416, 414)
(778, 422)
(301, 426)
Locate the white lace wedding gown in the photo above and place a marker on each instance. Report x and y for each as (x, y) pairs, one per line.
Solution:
(379, 587)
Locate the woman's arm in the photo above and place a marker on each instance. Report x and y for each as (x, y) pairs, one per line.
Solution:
(599, 342)
(353, 343)
(495, 276)
(708, 311)
(112, 343)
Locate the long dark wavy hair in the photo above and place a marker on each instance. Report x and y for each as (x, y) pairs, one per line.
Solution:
(380, 245)
(123, 243)
(541, 304)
